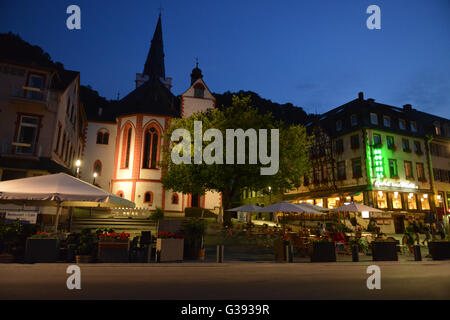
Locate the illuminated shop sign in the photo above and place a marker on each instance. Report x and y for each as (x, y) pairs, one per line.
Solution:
(396, 184)
(378, 164)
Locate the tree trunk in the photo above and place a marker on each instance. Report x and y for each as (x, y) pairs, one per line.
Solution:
(226, 204)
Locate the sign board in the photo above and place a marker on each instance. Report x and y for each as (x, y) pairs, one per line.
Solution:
(242, 216)
(26, 217)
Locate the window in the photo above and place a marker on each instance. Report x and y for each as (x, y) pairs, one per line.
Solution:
(27, 134)
(63, 145)
(354, 141)
(402, 124)
(377, 140)
(148, 197)
(412, 201)
(396, 200)
(175, 198)
(339, 146)
(341, 170)
(413, 125)
(444, 175)
(102, 137)
(338, 125)
(381, 200)
(386, 121)
(420, 171)
(417, 147)
(356, 168)
(36, 84)
(126, 146)
(199, 91)
(324, 173)
(354, 120)
(390, 142)
(373, 118)
(98, 167)
(58, 138)
(405, 145)
(408, 170)
(437, 174)
(393, 171)
(425, 202)
(151, 146)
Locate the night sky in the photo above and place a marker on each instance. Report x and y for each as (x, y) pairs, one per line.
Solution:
(315, 54)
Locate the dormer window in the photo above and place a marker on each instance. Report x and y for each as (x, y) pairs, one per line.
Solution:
(354, 120)
(373, 118)
(437, 128)
(387, 121)
(199, 91)
(402, 124)
(339, 125)
(413, 126)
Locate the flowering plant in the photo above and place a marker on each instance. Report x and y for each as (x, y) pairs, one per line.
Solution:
(112, 236)
(170, 235)
(40, 235)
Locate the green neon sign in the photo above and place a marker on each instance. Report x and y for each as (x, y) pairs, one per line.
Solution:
(378, 164)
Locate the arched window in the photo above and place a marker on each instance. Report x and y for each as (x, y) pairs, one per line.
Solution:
(151, 148)
(98, 167)
(120, 193)
(102, 136)
(148, 197)
(199, 90)
(175, 198)
(126, 146)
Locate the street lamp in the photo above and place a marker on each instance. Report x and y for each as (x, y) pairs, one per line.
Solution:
(95, 176)
(78, 164)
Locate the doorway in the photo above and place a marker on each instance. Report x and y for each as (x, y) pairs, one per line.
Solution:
(399, 223)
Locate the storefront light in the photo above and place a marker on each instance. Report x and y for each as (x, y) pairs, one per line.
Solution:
(365, 214)
(425, 196)
(410, 195)
(439, 197)
(396, 194)
(380, 193)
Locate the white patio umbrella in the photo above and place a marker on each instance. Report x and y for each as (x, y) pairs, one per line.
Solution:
(355, 207)
(246, 208)
(313, 207)
(60, 190)
(284, 206)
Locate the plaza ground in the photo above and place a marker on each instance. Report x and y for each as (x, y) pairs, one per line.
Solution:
(230, 280)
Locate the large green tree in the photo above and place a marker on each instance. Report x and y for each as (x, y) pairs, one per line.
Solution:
(232, 179)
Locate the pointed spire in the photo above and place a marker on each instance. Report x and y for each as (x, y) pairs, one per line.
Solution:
(196, 72)
(154, 66)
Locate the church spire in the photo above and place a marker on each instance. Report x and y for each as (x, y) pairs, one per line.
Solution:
(154, 66)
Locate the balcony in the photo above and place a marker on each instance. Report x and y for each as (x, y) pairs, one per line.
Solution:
(30, 94)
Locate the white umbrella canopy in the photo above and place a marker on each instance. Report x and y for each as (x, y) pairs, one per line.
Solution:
(246, 208)
(59, 189)
(356, 207)
(284, 206)
(316, 209)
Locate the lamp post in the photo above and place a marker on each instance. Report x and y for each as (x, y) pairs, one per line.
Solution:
(78, 164)
(95, 176)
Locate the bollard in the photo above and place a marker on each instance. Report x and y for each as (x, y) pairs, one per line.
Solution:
(149, 253)
(417, 253)
(289, 253)
(355, 255)
(158, 256)
(220, 249)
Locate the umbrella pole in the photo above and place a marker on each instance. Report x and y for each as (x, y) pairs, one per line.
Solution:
(58, 212)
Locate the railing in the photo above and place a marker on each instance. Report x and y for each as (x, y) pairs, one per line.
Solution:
(30, 93)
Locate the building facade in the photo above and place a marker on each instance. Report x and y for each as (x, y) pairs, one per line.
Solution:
(123, 141)
(42, 123)
(394, 159)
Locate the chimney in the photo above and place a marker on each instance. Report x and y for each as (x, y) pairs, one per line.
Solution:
(407, 107)
(361, 95)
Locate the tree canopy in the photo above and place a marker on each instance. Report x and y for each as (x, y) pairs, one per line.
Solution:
(232, 179)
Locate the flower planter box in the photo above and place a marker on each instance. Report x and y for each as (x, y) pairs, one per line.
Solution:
(169, 250)
(113, 251)
(41, 250)
(439, 250)
(323, 252)
(83, 259)
(384, 251)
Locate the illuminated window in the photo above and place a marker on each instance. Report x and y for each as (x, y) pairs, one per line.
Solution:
(319, 202)
(412, 201)
(333, 203)
(425, 202)
(420, 171)
(408, 170)
(396, 200)
(381, 200)
(393, 172)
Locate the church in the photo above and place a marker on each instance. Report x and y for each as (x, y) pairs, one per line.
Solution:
(123, 141)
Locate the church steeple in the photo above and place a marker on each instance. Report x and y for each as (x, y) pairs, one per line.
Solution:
(196, 72)
(154, 66)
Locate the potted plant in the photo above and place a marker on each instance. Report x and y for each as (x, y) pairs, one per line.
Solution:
(169, 247)
(384, 250)
(439, 249)
(84, 252)
(9, 234)
(194, 231)
(42, 247)
(323, 250)
(112, 246)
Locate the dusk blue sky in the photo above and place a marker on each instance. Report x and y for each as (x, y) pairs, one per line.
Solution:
(315, 54)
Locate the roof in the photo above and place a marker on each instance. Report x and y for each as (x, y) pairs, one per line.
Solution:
(154, 65)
